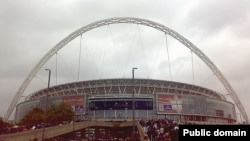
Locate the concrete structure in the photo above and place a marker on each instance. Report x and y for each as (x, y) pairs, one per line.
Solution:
(68, 128)
(112, 99)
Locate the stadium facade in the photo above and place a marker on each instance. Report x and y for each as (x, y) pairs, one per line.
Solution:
(154, 99)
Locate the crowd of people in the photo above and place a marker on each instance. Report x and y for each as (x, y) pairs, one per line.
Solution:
(161, 129)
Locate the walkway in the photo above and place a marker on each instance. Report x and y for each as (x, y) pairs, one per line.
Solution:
(51, 132)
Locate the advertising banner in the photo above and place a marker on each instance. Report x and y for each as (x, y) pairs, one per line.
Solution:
(76, 102)
(169, 103)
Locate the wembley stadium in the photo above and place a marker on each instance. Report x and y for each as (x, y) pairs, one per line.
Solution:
(154, 99)
(127, 98)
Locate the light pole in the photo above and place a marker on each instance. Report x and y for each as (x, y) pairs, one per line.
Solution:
(46, 103)
(133, 132)
(240, 119)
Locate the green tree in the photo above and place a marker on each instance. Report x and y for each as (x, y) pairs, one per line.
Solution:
(56, 114)
(2, 123)
(59, 114)
(52, 115)
(3, 126)
(34, 117)
(66, 112)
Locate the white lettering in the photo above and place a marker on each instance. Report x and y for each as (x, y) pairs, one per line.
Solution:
(229, 133)
(201, 132)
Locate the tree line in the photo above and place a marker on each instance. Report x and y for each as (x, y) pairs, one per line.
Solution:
(38, 118)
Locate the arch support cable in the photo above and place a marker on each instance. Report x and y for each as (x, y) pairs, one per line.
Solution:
(192, 66)
(131, 20)
(79, 61)
(169, 64)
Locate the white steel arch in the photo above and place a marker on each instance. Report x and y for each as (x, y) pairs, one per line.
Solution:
(132, 20)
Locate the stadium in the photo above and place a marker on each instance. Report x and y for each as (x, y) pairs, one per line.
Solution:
(113, 98)
(154, 99)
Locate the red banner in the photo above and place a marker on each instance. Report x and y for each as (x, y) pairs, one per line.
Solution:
(169, 103)
(75, 101)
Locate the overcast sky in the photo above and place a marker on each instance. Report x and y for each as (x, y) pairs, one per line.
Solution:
(220, 28)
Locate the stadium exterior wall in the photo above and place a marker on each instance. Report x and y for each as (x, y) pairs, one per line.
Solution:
(154, 99)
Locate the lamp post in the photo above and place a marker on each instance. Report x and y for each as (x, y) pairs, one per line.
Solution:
(133, 132)
(240, 119)
(46, 103)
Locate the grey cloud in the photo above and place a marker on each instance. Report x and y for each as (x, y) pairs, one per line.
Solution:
(29, 29)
